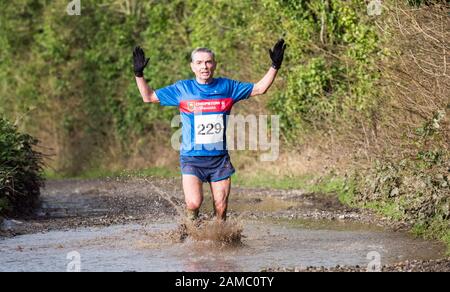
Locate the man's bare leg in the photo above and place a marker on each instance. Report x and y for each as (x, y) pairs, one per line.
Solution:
(220, 191)
(193, 195)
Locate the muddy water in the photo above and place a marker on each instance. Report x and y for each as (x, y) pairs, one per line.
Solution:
(136, 229)
(264, 244)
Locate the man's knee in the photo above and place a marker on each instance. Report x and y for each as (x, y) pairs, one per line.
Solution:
(220, 204)
(193, 204)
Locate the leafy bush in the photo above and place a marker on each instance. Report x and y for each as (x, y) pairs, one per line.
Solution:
(20, 171)
(413, 191)
(332, 70)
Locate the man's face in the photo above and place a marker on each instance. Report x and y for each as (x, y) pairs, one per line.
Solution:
(203, 66)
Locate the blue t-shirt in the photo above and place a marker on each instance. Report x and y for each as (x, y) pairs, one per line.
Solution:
(204, 109)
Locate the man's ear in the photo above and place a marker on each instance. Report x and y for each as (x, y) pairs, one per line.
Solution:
(192, 67)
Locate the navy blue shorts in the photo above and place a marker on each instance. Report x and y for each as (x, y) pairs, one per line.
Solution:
(207, 168)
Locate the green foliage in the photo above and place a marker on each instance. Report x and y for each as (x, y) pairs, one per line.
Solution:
(159, 172)
(434, 228)
(432, 127)
(72, 75)
(327, 185)
(305, 98)
(20, 170)
(331, 67)
(4, 206)
(413, 191)
(269, 180)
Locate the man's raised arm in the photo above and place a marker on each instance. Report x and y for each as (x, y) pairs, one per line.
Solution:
(139, 60)
(276, 55)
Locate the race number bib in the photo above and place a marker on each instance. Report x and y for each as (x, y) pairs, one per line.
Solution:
(208, 128)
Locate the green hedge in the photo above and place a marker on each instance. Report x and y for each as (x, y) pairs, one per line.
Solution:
(414, 191)
(20, 171)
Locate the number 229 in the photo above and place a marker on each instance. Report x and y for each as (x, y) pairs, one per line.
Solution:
(209, 129)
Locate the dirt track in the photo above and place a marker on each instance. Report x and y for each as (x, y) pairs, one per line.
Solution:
(69, 204)
(82, 203)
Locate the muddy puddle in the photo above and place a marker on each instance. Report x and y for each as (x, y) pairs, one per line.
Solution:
(272, 234)
(264, 244)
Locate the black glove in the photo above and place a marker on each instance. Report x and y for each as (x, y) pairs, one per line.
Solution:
(277, 54)
(139, 61)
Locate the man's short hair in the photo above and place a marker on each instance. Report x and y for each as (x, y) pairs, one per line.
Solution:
(202, 50)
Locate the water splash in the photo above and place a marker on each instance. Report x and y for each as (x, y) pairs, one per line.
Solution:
(171, 199)
(225, 233)
(222, 232)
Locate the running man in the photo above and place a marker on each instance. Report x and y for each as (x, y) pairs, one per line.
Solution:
(204, 103)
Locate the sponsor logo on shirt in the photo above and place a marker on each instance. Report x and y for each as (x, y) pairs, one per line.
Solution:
(212, 105)
(191, 106)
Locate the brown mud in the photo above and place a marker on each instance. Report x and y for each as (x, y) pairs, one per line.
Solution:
(149, 211)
